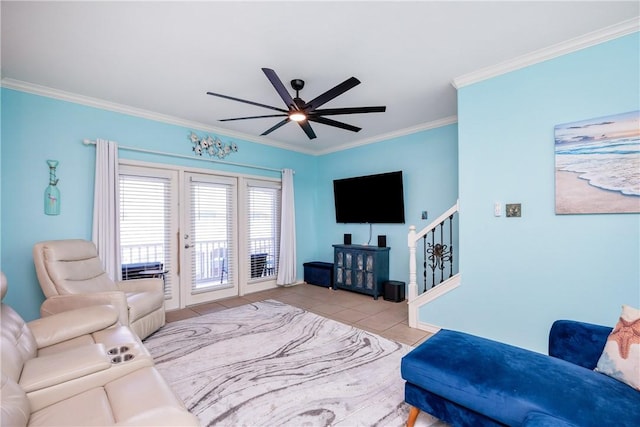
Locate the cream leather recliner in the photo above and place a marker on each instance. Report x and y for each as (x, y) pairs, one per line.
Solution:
(71, 276)
(68, 370)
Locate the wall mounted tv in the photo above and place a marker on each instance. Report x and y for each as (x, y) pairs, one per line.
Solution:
(373, 199)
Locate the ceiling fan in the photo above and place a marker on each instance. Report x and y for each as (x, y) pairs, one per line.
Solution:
(303, 112)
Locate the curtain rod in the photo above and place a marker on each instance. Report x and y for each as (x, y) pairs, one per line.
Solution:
(163, 153)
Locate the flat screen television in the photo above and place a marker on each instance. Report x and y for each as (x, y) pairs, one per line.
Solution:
(373, 199)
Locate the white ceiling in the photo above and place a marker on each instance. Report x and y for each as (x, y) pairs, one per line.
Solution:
(163, 57)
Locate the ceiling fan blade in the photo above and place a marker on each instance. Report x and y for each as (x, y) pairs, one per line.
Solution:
(306, 127)
(277, 125)
(253, 117)
(247, 102)
(279, 87)
(333, 123)
(331, 93)
(350, 110)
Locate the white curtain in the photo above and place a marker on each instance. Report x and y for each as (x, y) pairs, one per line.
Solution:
(287, 263)
(106, 233)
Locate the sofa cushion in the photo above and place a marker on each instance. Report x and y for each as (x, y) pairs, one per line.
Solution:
(621, 356)
(577, 342)
(140, 391)
(15, 409)
(47, 371)
(90, 408)
(506, 383)
(18, 344)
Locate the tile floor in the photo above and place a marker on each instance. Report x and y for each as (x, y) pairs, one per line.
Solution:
(385, 318)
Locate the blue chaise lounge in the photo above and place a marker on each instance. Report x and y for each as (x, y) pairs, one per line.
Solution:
(466, 380)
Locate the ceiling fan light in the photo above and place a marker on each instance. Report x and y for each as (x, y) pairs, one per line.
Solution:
(297, 116)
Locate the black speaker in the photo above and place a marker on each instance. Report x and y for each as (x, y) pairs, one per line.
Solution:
(347, 239)
(382, 241)
(393, 291)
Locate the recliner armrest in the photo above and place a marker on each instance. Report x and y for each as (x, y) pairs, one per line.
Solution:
(578, 342)
(46, 371)
(71, 324)
(141, 285)
(61, 303)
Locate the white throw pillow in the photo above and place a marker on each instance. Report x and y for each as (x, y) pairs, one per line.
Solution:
(621, 356)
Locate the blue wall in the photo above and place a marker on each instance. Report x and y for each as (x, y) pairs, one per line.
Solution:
(36, 128)
(520, 274)
(428, 160)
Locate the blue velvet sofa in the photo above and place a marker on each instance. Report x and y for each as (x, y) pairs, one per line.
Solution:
(466, 380)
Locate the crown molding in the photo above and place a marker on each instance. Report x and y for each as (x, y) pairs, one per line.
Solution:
(395, 134)
(138, 112)
(151, 115)
(590, 39)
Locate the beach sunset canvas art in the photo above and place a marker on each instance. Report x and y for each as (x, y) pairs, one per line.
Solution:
(598, 165)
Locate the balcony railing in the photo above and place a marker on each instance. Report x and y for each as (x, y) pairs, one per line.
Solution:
(132, 254)
(210, 258)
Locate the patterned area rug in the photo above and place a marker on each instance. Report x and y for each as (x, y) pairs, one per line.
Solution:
(271, 364)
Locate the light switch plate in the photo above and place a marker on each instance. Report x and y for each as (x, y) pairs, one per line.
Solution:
(513, 210)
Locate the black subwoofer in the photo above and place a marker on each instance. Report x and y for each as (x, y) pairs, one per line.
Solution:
(394, 291)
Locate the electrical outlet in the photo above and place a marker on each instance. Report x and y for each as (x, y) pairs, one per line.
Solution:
(514, 210)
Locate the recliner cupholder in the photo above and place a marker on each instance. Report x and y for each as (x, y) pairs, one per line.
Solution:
(117, 350)
(122, 358)
(122, 353)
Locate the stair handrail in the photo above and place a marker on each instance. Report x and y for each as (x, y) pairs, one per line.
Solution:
(412, 238)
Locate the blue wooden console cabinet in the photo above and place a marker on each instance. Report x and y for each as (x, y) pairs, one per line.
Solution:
(361, 268)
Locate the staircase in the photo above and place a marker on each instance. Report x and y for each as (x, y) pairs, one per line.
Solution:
(435, 245)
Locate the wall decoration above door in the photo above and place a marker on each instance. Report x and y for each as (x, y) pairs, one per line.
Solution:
(214, 147)
(598, 165)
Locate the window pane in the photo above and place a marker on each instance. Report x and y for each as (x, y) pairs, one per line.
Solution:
(264, 230)
(145, 227)
(212, 234)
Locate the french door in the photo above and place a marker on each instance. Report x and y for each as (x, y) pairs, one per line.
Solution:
(149, 200)
(208, 242)
(208, 236)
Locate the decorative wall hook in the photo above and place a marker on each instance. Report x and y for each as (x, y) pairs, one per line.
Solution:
(214, 147)
(52, 193)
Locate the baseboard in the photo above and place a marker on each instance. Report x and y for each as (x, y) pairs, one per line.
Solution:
(299, 282)
(437, 291)
(427, 297)
(427, 327)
